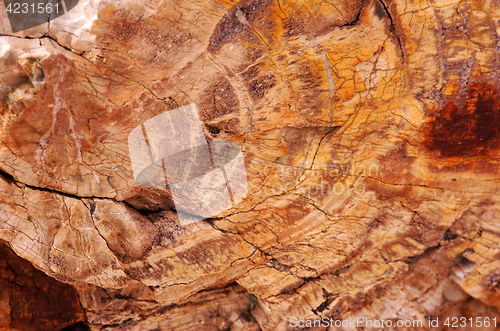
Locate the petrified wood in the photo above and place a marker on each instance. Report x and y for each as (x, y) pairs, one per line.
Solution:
(369, 131)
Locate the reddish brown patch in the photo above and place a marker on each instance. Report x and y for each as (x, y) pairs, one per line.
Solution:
(492, 282)
(260, 85)
(387, 191)
(36, 301)
(217, 100)
(467, 125)
(262, 23)
(396, 165)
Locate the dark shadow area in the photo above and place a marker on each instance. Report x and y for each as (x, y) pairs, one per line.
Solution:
(31, 300)
(77, 327)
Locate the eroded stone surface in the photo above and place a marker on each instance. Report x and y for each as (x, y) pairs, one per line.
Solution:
(30, 300)
(369, 132)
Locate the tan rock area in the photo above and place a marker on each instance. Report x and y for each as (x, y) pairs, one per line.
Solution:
(368, 132)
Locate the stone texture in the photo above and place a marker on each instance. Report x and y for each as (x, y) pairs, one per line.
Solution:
(370, 136)
(31, 300)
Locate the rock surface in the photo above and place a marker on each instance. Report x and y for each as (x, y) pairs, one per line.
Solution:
(31, 300)
(369, 131)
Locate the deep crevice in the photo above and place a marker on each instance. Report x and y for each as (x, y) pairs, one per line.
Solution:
(65, 194)
(393, 28)
(355, 21)
(71, 50)
(77, 327)
(7, 177)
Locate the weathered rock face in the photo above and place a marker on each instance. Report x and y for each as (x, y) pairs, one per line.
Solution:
(31, 300)
(369, 131)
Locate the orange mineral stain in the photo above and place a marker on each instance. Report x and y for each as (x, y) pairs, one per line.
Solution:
(467, 125)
